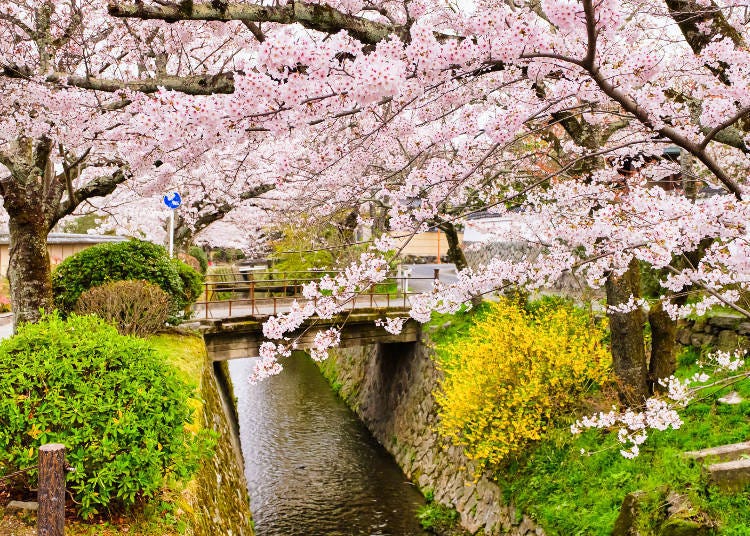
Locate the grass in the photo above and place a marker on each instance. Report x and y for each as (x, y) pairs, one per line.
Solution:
(576, 484)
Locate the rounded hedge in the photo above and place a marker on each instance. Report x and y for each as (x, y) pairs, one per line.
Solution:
(131, 260)
(110, 399)
(134, 307)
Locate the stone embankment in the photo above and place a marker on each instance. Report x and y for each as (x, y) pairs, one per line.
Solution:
(219, 501)
(390, 387)
(724, 332)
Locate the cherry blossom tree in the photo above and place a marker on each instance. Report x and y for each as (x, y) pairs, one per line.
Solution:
(76, 108)
(430, 110)
(421, 106)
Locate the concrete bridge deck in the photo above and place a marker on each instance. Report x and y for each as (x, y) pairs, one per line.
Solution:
(241, 336)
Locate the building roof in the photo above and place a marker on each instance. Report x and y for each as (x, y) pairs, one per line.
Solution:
(69, 238)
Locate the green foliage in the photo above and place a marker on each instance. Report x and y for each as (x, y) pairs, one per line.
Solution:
(437, 518)
(227, 254)
(513, 372)
(83, 224)
(303, 261)
(134, 259)
(199, 254)
(302, 248)
(135, 307)
(192, 282)
(110, 399)
(576, 484)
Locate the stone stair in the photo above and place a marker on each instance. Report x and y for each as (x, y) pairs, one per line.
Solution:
(732, 468)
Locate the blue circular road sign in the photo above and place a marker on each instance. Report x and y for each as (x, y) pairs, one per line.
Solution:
(173, 200)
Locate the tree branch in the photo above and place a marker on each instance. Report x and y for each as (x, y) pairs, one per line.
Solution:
(693, 17)
(255, 30)
(319, 17)
(97, 187)
(725, 124)
(190, 85)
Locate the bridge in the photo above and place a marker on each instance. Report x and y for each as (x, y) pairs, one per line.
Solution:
(234, 307)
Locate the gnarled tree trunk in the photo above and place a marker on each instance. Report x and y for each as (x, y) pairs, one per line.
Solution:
(626, 329)
(29, 270)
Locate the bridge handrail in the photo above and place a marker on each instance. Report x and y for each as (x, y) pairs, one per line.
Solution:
(392, 291)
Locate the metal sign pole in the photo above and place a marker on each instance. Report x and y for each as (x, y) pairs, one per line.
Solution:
(172, 201)
(171, 233)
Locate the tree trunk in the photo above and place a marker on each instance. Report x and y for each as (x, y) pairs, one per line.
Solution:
(29, 270)
(628, 349)
(663, 362)
(455, 253)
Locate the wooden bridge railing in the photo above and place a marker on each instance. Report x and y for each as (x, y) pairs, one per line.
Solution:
(271, 293)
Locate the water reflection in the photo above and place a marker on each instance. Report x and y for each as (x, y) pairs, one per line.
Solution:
(312, 467)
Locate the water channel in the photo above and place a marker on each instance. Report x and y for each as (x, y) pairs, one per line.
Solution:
(312, 467)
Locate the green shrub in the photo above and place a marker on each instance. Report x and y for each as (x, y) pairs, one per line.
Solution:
(134, 259)
(135, 307)
(110, 399)
(199, 254)
(437, 518)
(192, 281)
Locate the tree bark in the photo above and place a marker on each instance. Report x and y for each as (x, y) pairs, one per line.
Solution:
(29, 269)
(455, 253)
(626, 329)
(51, 494)
(663, 362)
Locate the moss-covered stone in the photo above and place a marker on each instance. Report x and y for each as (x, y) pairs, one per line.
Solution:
(685, 527)
(220, 504)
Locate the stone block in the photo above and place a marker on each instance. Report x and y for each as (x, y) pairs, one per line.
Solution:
(727, 340)
(743, 328)
(683, 336)
(701, 339)
(721, 453)
(724, 322)
(699, 325)
(626, 523)
(22, 506)
(686, 527)
(733, 475)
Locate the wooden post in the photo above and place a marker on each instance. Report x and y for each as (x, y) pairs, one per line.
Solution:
(51, 494)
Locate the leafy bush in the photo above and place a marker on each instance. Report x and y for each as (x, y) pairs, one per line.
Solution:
(513, 372)
(192, 282)
(199, 254)
(134, 259)
(190, 261)
(110, 399)
(134, 307)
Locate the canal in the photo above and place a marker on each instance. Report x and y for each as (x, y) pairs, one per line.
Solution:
(312, 467)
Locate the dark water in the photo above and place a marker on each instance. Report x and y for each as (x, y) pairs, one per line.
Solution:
(312, 468)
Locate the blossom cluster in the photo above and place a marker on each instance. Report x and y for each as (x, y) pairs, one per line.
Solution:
(659, 413)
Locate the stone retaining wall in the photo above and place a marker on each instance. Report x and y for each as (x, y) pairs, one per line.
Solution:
(219, 502)
(390, 387)
(724, 332)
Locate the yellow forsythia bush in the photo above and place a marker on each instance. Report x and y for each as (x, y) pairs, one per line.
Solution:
(514, 372)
